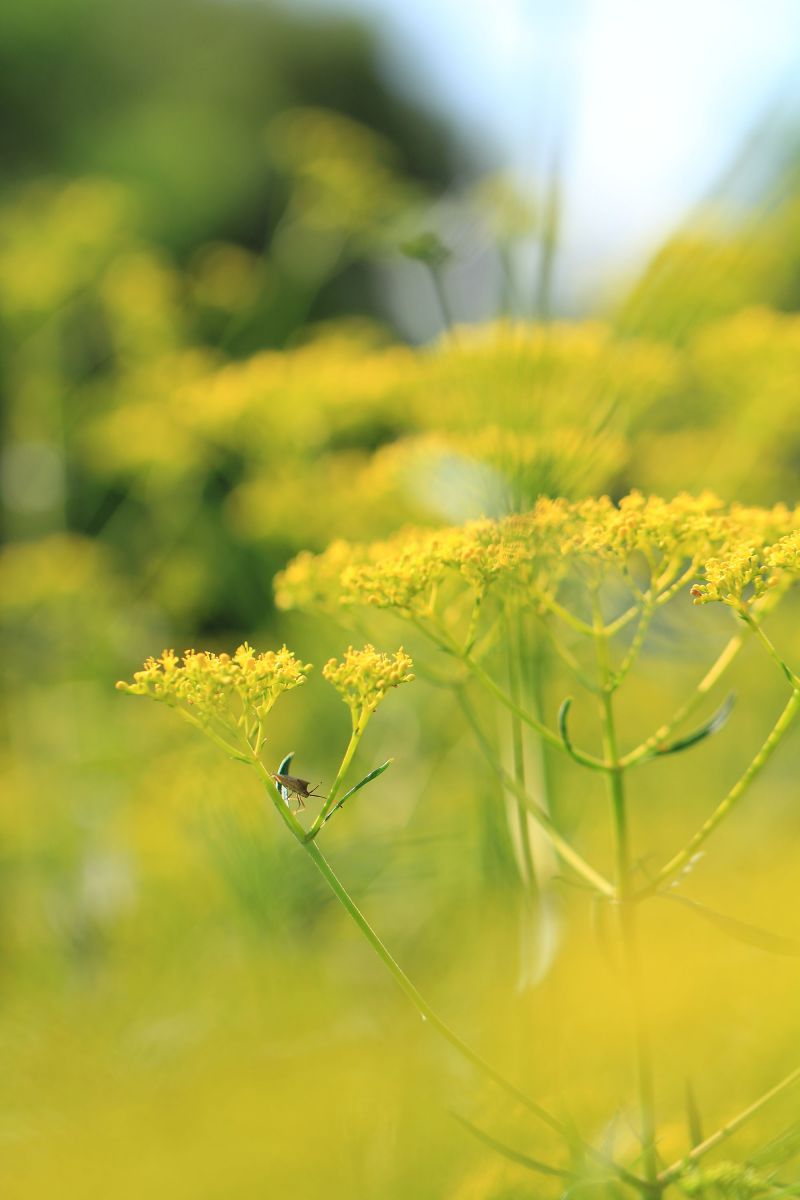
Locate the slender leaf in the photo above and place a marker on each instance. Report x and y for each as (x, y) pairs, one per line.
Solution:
(516, 1156)
(751, 935)
(693, 1120)
(361, 783)
(711, 726)
(779, 1150)
(563, 714)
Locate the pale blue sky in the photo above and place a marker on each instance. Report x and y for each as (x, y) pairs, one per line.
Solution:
(651, 98)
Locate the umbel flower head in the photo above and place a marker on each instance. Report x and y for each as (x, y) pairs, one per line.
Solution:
(363, 677)
(233, 690)
(745, 550)
(746, 571)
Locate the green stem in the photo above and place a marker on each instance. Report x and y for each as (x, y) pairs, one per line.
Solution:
(441, 639)
(680, 860)
(705, 685)
(443, 1029)
(565, 851)
(518, 754)
(283, 810)
(755, 625)
(648, 609)
(546, 734)
(727, 1130)
(416, 997)
(442, 299)
(359, 725)
(628, 911)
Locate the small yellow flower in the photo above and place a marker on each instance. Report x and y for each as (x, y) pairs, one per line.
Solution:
(233, 690)
(363, 677)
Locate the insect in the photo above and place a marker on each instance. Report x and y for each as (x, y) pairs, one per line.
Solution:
(301, 788)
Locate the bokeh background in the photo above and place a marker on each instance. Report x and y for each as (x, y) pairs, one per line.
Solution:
(273, 275)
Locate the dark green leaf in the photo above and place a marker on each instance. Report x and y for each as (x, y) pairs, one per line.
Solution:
(713, 725)
(283, 769)
(563, 713)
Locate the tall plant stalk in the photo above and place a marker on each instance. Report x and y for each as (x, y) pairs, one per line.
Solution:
(628, 907)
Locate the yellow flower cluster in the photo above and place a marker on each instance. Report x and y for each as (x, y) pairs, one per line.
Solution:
(219, 686)
(363, 677)
(683, 527)
(747, 571)
(739, 546)
(401, 572)
(728, 579)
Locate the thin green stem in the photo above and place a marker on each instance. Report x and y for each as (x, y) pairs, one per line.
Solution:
(682, 859)
(418, 1000)
(755, 625)
(442, 640)
(647, 611)
(443, 1029)
(727, 1130)
(565, 851)
(627, 911)
(284, 812)
(442, 298)
(566, 655)
(518, 752)
(205, 728)
(546, 734)
(516, 1156)
(613, 627)
(705, 685)
(359, 725)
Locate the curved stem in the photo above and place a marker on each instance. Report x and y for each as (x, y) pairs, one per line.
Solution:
(443, 1029)
(418, 1000)
(684, 856)
(442, 640)
(544, 732)
(705, 685)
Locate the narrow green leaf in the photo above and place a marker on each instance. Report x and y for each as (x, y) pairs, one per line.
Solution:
(713, 725)
(361, 783)
(516, 1156)
(742, 931)
(779, 1150)
(693, 1121)
(563, 713)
